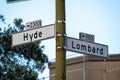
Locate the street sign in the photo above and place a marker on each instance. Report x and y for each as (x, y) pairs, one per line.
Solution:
(86, 37)
(33, 24)
(33, 35)
(84, 47)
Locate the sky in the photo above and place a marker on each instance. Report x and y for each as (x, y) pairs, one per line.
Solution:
(98, 17)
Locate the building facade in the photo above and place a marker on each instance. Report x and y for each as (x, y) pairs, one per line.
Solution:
(90, 68)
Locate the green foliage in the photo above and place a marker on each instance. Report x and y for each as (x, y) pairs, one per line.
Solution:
(16, 63)
(2, 19)
(17, 72)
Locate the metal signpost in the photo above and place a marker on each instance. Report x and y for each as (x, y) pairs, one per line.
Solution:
(88, 48)
(33, 35)
(60, 41)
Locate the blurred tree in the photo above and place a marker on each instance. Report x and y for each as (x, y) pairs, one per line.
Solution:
(21, 62)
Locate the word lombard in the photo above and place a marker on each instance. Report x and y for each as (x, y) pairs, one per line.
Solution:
(88, 48)
(31, 36)
(84, 47)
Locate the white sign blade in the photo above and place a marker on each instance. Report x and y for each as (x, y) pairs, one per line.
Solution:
(33, 35)
(79, 46)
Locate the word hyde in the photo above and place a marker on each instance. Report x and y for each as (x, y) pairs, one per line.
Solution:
(32, 36)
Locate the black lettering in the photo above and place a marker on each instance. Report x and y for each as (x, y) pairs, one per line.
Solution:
(39, 23)
(35, 35)
(89, 48)
(101, 51)
(31, 36)
(87, 37)
(25, 36)
(36, 24)
(40, 34)
(73, 45)
(31, 25)
(28, 25)
(97, 50)
(83, 47)
(92, 38)
(93, 50)
(78, 46)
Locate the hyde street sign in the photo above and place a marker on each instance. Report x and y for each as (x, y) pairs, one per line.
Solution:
(84, 47)
(33, 35)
